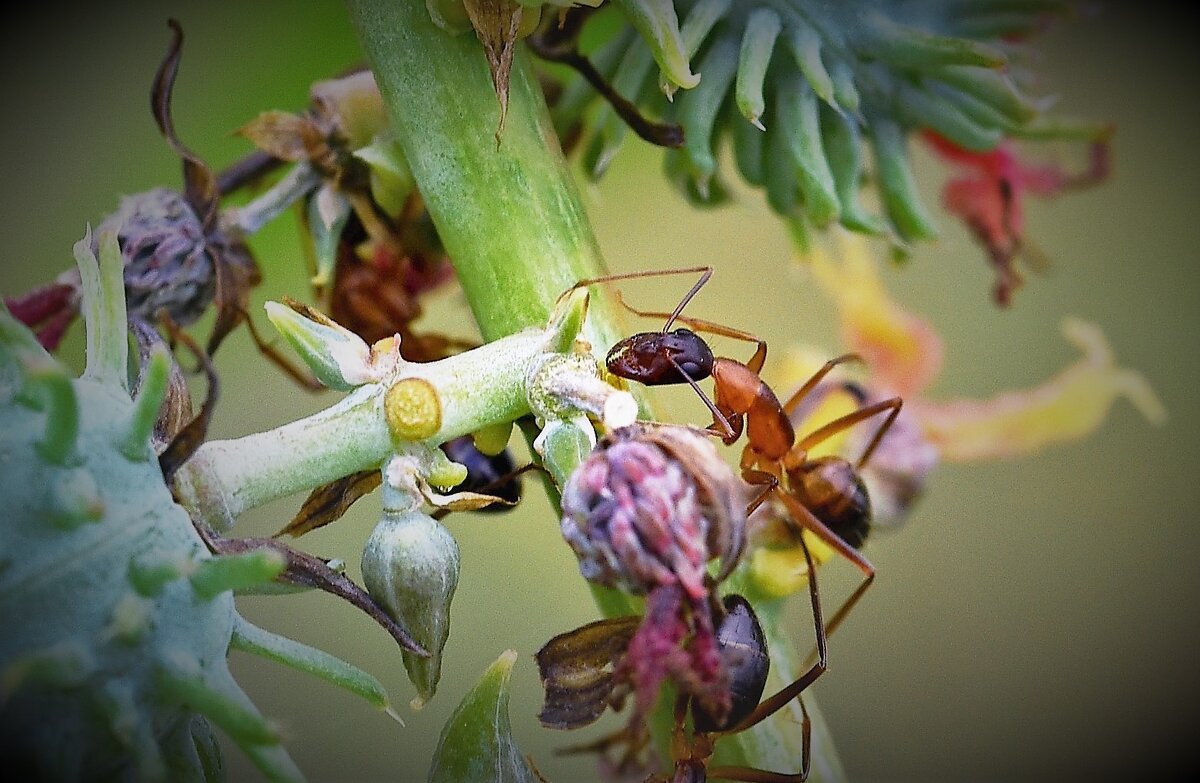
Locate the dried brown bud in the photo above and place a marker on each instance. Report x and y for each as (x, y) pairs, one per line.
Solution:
(166, 263)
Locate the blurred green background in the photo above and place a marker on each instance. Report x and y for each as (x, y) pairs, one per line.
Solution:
(1035, 619)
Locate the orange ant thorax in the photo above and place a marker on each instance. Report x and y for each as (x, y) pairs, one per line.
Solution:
(740, 391)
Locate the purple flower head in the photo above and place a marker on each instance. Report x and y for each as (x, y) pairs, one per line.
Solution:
(650, 507)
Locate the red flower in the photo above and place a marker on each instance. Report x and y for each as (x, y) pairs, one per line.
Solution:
(988, 195)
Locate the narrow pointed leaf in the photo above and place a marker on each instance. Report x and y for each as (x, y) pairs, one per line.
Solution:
(758, 42)
(799, 119)
(476, 743)
(910, 47)
(248, 637)
(658, 25)
(918, 107)
(895, 180)
(805, 44)
(698, 112)
(696, 27)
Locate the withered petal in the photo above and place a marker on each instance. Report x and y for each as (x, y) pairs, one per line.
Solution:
(189, 438)
(236, 275)
(200, 183)
(497, 23)
(287, 136)
(176, 410)
(328, 502)
(576, 669)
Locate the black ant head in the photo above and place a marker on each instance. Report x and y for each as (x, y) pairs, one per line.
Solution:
(661, 358)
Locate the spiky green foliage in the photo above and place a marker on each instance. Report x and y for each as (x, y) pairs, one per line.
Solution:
(118, 619)
(803, 90)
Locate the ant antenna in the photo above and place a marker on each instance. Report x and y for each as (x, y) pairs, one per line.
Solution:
(708, 271)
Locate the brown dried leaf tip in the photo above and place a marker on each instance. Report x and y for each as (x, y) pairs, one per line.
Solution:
(497, 23)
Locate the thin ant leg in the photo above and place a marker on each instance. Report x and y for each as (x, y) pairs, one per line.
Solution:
(730, 433)
(750, 775)
(706, 273)
(790, 406)
(841, 423)
(879, 433)
(773, 704)
(755, 362)
(808, 521)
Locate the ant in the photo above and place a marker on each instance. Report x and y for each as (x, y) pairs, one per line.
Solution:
(744, 649)
(823, 495)
(580, 664)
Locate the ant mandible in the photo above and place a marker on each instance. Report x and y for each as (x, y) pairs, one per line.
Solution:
(823, 495)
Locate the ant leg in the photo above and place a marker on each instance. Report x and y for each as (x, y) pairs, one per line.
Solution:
(892, 405)
(751, 775)
(706, 273)
(759, 478)
(817, 377)
(303, 379)
(808, 521)
(880, 432)
(755, 362)
(769, 706)
(730, 433)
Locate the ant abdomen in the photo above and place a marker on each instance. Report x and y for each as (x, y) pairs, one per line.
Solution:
(743, 649)
(491, 475)
(833, 491)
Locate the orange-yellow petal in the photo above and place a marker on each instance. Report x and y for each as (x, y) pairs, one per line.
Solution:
(903, 351)
(778, 572)
(1067, 407)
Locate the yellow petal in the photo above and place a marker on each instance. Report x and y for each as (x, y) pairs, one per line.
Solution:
(778, 572)
(901, 349)
(1067, 407)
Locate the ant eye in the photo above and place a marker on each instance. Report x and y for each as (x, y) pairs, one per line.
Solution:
(685, 332)
(690, 368)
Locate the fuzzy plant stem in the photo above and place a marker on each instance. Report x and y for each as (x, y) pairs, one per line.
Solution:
(507, 209)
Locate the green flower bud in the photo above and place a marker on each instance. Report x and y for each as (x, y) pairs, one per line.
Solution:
(410, 567)
(339, 358)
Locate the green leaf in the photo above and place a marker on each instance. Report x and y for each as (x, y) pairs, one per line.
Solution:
(476, 743)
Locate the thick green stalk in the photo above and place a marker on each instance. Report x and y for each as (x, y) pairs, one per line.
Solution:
(508, 211)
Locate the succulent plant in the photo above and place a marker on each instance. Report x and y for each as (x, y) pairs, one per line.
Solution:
(803, 88)
(120, 617)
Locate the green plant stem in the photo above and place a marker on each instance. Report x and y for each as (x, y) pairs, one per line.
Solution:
(509, 213)
(507, 210)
